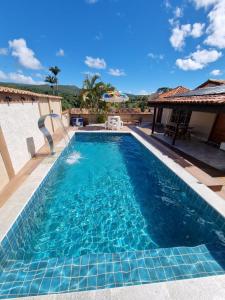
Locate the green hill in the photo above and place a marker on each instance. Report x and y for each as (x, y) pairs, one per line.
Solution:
(44, 89)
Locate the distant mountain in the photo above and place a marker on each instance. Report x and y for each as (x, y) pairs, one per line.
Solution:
(138, 97)
(44, 88)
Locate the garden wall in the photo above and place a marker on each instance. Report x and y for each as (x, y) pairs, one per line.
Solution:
(91, 118)
(20, 137)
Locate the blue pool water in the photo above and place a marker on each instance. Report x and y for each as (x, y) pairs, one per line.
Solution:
(109, 203)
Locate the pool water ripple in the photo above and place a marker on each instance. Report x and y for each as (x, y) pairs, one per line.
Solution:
(118, 217)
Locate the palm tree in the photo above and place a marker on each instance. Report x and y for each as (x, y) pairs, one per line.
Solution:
(92, 92)
(51, 80)
(89, 91)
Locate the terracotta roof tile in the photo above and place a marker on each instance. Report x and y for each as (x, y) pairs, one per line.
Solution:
(202, 99)
(173, 92)
(8, 90)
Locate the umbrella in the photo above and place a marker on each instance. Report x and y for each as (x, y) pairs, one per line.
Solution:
(114, 97)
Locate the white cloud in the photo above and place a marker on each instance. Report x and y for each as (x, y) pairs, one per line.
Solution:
(3, 75)
(91, 73)
(206, 56)
(197, 30)
(178, 13)
(91, 1)
(205, 3)
(96, 63)
(216, 16)
(144, 93)
(188, 64)
(198, 60)
(216, 72)
(180, 33)
(116, 72)
(24, 54)
(167, 4)
(60, 52)
(216, 29)
(18, 77)
(3, 51)
(39, 75)
(156, 56)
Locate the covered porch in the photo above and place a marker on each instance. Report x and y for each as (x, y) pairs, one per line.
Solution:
(183, 130)
(198, 150)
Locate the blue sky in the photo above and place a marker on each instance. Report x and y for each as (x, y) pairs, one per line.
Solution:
(137, 46)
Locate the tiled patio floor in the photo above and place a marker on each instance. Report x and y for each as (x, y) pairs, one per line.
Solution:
(201, 151)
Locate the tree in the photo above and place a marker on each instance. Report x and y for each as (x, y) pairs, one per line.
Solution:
(53, 79)
(162, 90)
(92, 92)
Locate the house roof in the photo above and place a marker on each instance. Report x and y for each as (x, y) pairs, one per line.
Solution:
(173, 92)
(200, 99)
(213, 90)
(8, 90)
(205, 96)
(216, 82)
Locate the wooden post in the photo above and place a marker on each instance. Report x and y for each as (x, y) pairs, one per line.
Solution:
(177, 128)
(153, 123)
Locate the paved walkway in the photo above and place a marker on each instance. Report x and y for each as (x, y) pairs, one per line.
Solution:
(208, 288)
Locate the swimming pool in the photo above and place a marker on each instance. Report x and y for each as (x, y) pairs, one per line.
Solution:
(109, 213)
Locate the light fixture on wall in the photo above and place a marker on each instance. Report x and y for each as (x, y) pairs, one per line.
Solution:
(22, 99)
(32, 99)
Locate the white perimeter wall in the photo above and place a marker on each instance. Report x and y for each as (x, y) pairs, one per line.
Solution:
(20, 129)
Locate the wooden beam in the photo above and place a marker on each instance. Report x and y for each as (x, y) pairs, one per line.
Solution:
(177, 128)
(6, 156)
(153, 123)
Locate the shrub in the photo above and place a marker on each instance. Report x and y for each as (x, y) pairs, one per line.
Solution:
(101, 118)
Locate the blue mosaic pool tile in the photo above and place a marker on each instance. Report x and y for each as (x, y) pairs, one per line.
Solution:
(95, 271)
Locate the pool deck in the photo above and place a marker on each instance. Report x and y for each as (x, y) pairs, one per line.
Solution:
(17, 195)
(208, 288)
(206, 174)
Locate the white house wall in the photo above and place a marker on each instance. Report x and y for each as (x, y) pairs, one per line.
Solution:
(166, 115)
(202, 124)
(22, 135)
